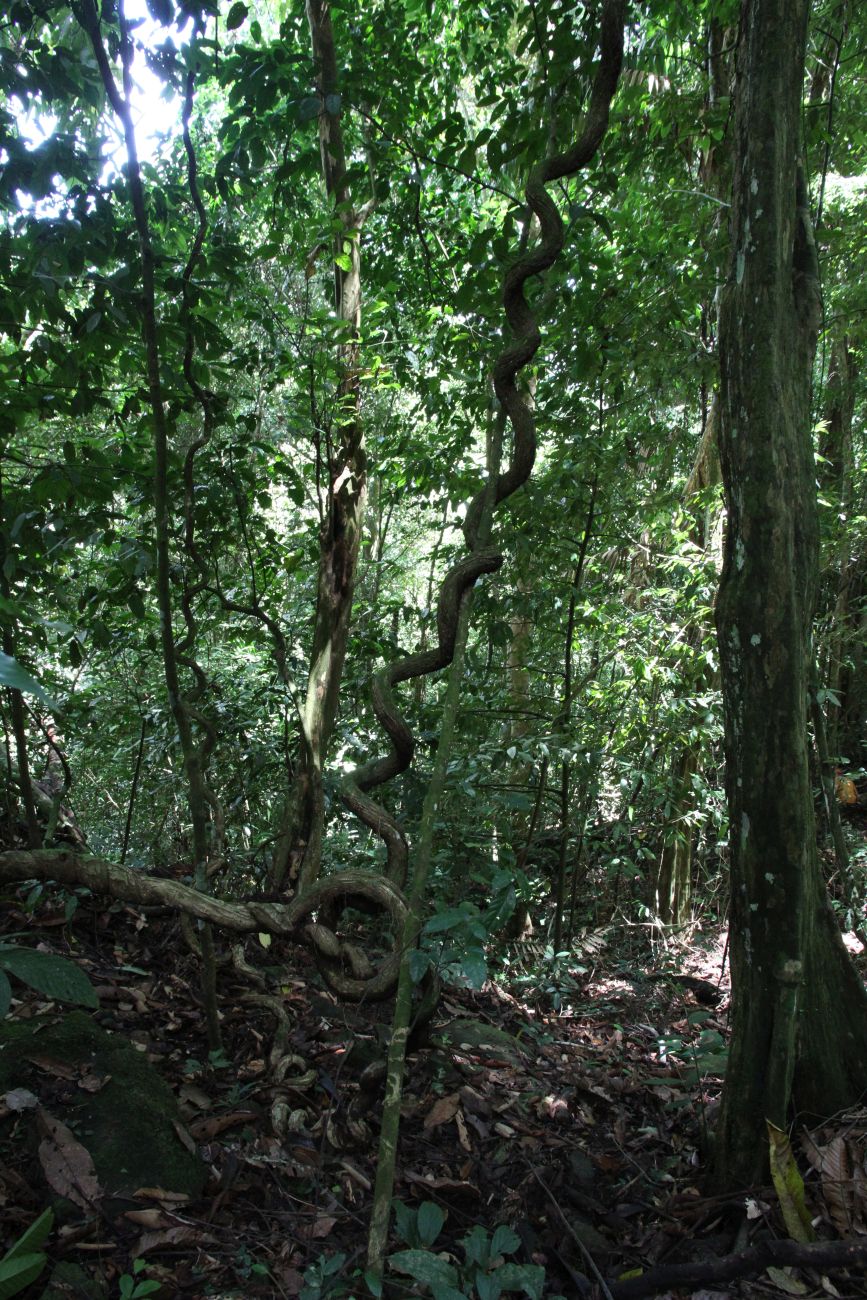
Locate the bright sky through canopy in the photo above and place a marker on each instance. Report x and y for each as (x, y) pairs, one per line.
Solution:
(156, 114)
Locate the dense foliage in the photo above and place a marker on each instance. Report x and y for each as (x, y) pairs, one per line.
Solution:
(586, 777)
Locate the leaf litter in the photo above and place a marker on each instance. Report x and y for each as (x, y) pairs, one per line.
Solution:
(583, 1126)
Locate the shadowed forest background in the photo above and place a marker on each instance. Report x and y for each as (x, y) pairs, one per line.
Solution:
(433, 599)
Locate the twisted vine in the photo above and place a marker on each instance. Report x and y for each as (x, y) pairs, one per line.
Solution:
(462, 576)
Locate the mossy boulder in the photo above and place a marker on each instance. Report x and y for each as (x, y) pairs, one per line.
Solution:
(481, 1039)
(127, 1125)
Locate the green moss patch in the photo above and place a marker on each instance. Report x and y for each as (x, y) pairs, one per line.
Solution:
(127, 1125)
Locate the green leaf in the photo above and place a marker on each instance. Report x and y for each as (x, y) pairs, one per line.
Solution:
(309, 108)
(419, 965)
(5, 995)
(447, 920)
(431, 1218)
(442, 1291)
(473, 967)
(12, 674)
(236, 16)
(529, 1278)
(18, 1271)
(54, 976)
(425, 1267)
(504, 1241)
(488, 1286)
(477, 1246)
(34, 1237)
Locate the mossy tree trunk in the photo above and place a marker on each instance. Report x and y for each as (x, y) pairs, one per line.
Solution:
(799, 1023)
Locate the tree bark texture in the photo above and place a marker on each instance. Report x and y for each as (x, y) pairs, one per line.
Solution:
(799, 1028)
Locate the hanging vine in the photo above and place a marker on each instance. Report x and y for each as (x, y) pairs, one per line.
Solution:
(526, 339)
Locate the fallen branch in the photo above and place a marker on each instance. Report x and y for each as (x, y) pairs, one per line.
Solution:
(129, 886)
(746, 1263)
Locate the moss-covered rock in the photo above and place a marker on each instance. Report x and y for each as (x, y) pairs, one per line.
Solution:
(481, 1038)
(127, 1125)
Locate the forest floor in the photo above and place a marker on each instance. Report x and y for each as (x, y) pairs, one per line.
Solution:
(573, 1103)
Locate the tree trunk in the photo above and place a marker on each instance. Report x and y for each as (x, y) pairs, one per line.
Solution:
(298, 850)
(674, 877)
(799, 1028)
(836, 479)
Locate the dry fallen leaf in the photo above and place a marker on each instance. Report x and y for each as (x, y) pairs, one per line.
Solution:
(195, 1096)
(442, 1111)
(291, 1280)
(185, 1137)
(474, 1101)
(322, 1226)
(52, 1065)
(448, 1186)
(152, 1218)
(91, 1082)
(835, 1164)
(66, 1163)
(185, 1235)
(205, 1129)
(463, 1135)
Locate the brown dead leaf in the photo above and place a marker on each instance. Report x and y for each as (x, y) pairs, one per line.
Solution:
(189, 1092)
(252, 1069)
(443, 1110)
(186, 1139)
(463, 1135)
(162, 1195)
(291, 1280)
(152, 1218)
(66, 1163)
(205, 1129)
(474, 1101)
(52, 1065)
(183, 1235)
(92, 1082)
(305, 1153)
(448, 1186)
(322, 1226)
(834, 1164)
(483, 1129)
